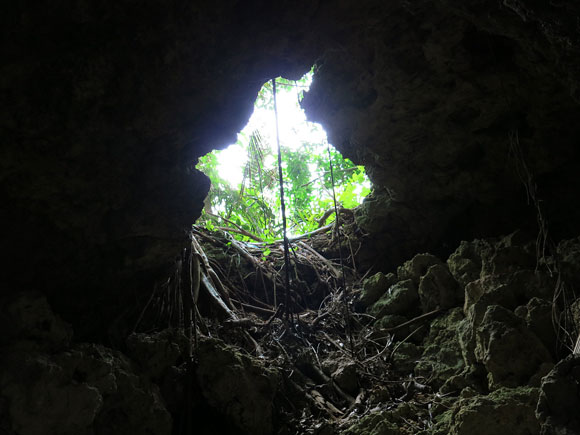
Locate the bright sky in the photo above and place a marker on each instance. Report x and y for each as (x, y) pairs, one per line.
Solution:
(294, 130)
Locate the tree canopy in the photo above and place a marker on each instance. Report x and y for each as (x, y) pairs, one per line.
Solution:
(251, 207)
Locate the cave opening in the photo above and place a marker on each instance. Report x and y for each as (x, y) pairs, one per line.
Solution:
(447, 313)
(244, 197)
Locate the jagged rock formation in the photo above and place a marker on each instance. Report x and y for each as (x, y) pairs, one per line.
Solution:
(495, 350)
(460, 111)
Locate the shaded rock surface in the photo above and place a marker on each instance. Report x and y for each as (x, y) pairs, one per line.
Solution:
(438, 289)
(237, 387)
(510, 352)
(400, 298)
(28, 317)
(48, 386)
(503, 411)
(560, 399)
(494, 349)
(87, 389)
(442, 358)
(157, 352)
(374, 287)
(478, 364)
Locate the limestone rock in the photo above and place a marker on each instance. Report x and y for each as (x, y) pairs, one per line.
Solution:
(88, 389)
(27, 317)
(510, 352)
(374, 287)
(155, 353)
(538, 316)
(504, 411)
(374, 424)
(508, 254)
(442, 357)
(390, 422)
(569, 252)
(43, 400)
(416, 267)
(438, 289)
(237, 386)
(487, 291)
(509, 290)
(399, 299)
(575, 312)
(134, 407)
(559, 402)
(405, 357)
(465, 263)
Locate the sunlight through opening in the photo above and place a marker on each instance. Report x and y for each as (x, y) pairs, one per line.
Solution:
(244, 176)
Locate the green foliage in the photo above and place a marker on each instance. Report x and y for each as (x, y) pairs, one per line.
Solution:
(253, 206)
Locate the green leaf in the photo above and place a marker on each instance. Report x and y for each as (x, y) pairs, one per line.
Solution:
(254, 204)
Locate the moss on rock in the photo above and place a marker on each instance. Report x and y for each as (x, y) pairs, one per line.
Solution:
(510, 352)
(401, 298)
(438, 289)
(416, 267)
(505, 411)
(374, 287)
(442, 356)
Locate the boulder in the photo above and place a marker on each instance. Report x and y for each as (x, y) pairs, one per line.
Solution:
(537, 314)
(85, 390)
(239, 387)
(391, 422)
(504, 411)
(569, 260)
(374, 424)
(465, 263)
(28, 318)
(346, 377)
(438, 289)
(416, 267)
(401, 298)
(559, 404)
(509, 290)
(42, 400)
(157, 352)
(374, 287)
(442, 358)
(510, 352)
(509, 254)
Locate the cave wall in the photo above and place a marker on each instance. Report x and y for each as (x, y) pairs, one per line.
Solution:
(108, 105)
(432, 98)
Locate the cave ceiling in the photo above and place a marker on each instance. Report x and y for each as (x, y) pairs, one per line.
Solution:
(107, 105)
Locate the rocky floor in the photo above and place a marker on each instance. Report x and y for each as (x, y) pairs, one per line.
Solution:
(478, 343)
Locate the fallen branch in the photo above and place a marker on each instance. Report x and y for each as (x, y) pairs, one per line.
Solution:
(324, 260)
(237, 229)
(242, 232)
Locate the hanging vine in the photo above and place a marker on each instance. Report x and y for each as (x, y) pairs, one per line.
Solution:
(248, 209)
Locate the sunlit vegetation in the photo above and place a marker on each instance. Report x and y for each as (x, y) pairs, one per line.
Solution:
(245, 190)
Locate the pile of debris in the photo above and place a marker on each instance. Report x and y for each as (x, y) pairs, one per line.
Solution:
(462, 346)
